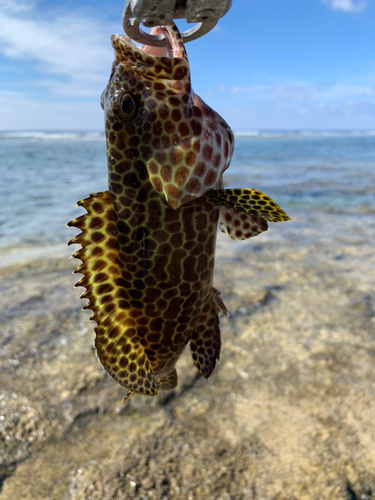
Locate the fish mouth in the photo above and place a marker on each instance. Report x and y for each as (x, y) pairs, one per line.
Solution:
(147, 59)
(174, 46)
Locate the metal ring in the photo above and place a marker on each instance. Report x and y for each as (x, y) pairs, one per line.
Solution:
(132, 29)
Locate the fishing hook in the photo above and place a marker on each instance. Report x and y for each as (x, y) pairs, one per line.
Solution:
(205, 13)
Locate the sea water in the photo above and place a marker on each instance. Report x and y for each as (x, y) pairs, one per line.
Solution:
(44, 174)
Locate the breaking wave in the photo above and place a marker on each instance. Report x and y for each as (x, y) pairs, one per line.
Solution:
(304, 133)
(98, 135)
(52, 136)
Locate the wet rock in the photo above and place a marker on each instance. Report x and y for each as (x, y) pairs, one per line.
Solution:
(289, 412)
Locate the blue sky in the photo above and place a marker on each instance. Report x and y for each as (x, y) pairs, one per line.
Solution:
(269, 64)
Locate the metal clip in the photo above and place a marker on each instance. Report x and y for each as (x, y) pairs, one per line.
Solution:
(162, 12)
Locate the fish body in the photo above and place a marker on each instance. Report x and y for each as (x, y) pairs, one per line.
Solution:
(148, 243)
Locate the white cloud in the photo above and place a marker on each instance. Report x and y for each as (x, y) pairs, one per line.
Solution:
(298, 104)
(16, 6)
(364, 87)
(347, 5)
(267, 115)
(257, 91)
(20, 112)
(324, 91)
(74, 48)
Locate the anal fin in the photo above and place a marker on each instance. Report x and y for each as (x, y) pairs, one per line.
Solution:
(167, 381)
(205, 343)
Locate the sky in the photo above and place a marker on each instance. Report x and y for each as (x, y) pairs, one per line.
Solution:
(269, 64)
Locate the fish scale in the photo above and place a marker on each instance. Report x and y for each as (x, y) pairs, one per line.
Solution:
(148, 243)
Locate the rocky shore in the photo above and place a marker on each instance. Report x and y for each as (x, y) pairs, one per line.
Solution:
(288, 414)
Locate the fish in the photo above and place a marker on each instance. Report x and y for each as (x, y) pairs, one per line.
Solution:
(148, 242)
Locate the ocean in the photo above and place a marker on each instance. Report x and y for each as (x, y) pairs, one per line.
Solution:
(288, 411)
(44, 174)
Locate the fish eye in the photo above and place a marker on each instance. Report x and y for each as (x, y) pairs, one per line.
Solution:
(127, 107)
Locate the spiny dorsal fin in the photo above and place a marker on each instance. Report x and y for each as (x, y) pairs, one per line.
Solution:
(117, 344)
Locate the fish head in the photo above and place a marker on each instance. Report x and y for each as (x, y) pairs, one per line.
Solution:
(153, 118)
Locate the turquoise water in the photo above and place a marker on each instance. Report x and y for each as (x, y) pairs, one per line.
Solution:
(43, 175)
(318, 172)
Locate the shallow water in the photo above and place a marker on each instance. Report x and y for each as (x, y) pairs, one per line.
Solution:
(43, 175)
(294, 390)
(41, 181)
(316, 172)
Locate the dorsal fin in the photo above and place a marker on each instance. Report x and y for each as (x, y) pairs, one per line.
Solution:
(117, 344)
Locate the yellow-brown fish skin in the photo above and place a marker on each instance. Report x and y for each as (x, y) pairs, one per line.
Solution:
(148, 244)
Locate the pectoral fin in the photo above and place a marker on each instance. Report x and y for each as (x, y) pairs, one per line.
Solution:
(117, 343)
(205, 343)
(248, 201)
(240, 225)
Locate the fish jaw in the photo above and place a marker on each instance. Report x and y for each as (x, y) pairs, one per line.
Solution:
(184, 145)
